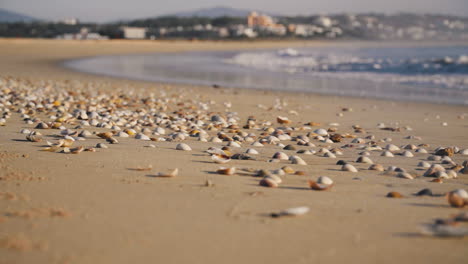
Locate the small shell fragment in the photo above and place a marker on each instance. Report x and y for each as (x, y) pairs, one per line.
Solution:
(296, 211)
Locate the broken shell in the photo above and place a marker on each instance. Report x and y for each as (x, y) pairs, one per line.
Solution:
(34, 137)
(394, 195)
(220, 158)
(171, 173)
(183, 146)
(283, 120)
(349, 167)
(77, 150)
(226, 171)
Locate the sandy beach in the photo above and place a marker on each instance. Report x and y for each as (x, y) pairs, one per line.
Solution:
(96, 207)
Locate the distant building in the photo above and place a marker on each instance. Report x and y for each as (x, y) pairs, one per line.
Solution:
(70, 21)
(134, 32)
(256, 20)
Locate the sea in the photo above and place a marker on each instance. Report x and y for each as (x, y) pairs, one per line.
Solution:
(435, 74)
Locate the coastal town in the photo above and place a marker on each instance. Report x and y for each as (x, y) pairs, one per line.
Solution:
(255, 25)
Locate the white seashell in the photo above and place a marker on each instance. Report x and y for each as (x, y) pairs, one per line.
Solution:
(434, 158)
(215, 140)
(349, 167)
(142, 136)
(234, 144)
(452, 174)
(183, 146)
(441, 230)
(387, 154)
(25, 131)
(407, 154)
(364, 159)
(279, 172)
(461, 192)
(324, 180)
(226, 171)
(424, 164)
(391, 147)
(296, 211)
(280, 156)
(463, 152)
(122, 134)
(329, 155)
(321, 132)
(421, 150)
(101, 145)
(405, 175)
(169, 174)
(358, 141)
(297, 160)
(251, 151)
(221, 159)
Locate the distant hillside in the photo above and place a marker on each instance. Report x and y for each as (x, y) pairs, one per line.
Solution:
(8, 16)
(217, 11)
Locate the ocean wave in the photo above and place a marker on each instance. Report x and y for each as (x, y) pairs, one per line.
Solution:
(445, 71)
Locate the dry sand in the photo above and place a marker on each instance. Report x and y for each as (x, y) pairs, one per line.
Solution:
(90, 208)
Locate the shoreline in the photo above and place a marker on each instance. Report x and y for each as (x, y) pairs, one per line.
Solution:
(107, 206)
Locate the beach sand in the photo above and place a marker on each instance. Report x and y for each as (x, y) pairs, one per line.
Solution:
(93, 208)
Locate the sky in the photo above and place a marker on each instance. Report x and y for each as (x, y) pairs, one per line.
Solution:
(108, 10)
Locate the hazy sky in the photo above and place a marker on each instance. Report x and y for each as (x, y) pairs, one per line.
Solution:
(105, 10)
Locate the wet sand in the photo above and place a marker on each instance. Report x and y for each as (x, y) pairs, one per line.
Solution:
(92, 208)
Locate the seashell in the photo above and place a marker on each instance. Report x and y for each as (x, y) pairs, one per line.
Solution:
(456, 200)
(323, 183)
(437, 180)
(297, 160)
(431, 172)
(329, 155)
(217, 158)
(305, 152)
(209, 183)
(296, 211)
(215, 140)
(77, 150)
(424, 164)
(387, 154)
(226, 171)
(341, 162)
(34, 137)
(376, 167)
(122, 134)
(364, 153)
(85, 134)
(51, 149)
(241, 157)
(273, 177)
(141, 136)
(234, 144)
(364, 159)
(42, 125)
(278, 172)
(90, 149)
(349, 167)
(280, 156)
(424, 192)
(183, 146)
(394, 195)
(169, 174)
(321, 132)
(101, 145)
(410, 146)
(251, 151)
(289, 147)
(442, 230)
(463, 152)
(268, 182)
(283, 120)
(288, 170)
(105, 135)
(257, 144)
(445, 152)
(405, 175)
(434, 158)
(407, 154)
(421, 150)
(336, 138)
(25, 131)
(65, 150)
(391, 147)
(112, 140)
(358, 141)
(391, 168)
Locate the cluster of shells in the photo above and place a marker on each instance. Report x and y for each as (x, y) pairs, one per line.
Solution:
(75, 113)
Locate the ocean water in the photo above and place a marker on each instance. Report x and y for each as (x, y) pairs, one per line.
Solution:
(429, 74)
